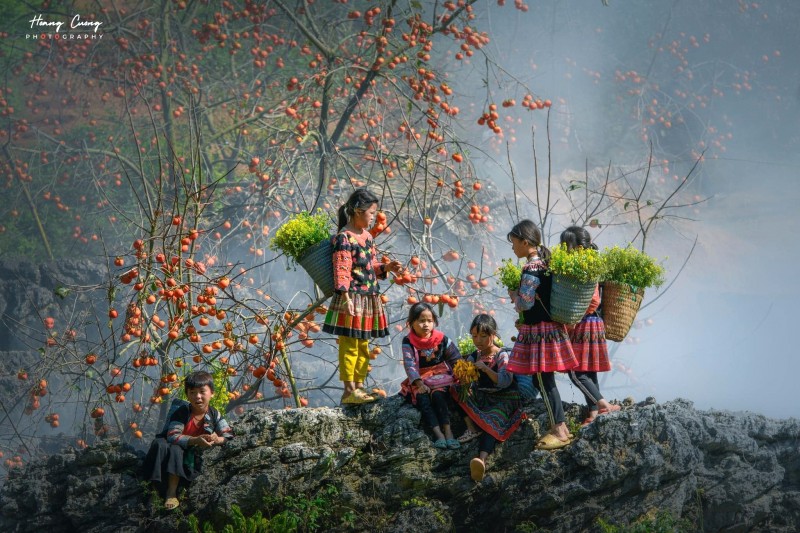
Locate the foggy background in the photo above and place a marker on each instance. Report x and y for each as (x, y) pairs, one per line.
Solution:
(723, 334)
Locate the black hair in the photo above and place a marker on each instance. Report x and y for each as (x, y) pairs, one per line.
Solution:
(526, 230)
(359, 200)
(195, 380)
(484, 323)
(417, 309)
(577, 237)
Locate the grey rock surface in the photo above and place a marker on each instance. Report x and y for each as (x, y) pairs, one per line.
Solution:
(373, 468)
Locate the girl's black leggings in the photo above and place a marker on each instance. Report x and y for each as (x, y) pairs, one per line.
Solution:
(486, 443)
(434, 408)
(550, 394)
(588, 385)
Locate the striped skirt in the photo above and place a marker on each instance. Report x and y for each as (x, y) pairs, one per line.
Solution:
(498, 413)
(542, 347)
(368, 322)
(589, 345)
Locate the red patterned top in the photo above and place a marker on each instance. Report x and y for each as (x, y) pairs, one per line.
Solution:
(356, 266)
(192, 428)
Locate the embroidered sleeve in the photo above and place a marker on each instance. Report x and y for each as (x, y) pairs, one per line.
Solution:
(223, 429)
(410, 361)
(527, 290)
(176, 425)
(595, 303)
(342, 263)
(451, 353)
(377, 265)
(504, 377)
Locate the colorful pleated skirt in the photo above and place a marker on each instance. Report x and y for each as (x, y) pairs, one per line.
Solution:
(589, 345)
(369, 320)
(542, 347)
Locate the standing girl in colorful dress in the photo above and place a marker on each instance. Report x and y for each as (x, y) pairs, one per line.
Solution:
(542, 346)
(428, 358)
(494, 404)
(356, 311)
(588, 339)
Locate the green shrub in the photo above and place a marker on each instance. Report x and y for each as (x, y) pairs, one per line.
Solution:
(509, 274)
(581, 264)
(661, 522)
(633, 267)
(466, 346)
(301, 232)
(288, 514)
(238, 523)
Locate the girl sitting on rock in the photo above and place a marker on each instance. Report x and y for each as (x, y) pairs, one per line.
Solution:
(428, 358)
(493, 404)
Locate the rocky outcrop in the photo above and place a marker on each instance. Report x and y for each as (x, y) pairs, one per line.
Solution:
(372, 468)
(29, 292)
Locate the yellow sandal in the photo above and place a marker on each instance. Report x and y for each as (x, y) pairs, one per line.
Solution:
(551, 442)
(171, 503)
(477, 469)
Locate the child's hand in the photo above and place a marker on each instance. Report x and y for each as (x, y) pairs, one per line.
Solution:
(209, 439)
(421, 387)
(480, 365)
(200, 441)
(213, 438)
(513, 295)
(393, 266)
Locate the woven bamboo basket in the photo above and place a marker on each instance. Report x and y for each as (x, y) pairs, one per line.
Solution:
(318, 262)
(569, 299)
(621, 303)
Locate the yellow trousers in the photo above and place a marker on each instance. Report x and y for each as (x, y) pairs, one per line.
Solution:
(353, 359)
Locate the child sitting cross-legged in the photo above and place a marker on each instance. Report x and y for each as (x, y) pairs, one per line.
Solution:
(175, 454)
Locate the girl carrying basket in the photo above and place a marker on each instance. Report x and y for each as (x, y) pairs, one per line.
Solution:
(542, 346)
(356, 312)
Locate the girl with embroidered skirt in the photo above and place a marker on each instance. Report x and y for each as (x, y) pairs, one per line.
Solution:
(588, 338)
(428, 358)
(542, 346)
(494, 404)
(356, 311)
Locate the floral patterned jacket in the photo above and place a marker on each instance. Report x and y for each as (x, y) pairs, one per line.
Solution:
(356, 266)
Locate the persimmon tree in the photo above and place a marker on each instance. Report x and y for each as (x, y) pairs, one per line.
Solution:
(175, 145)
(181, 139)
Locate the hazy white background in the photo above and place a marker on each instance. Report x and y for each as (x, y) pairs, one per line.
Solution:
(725, 335)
